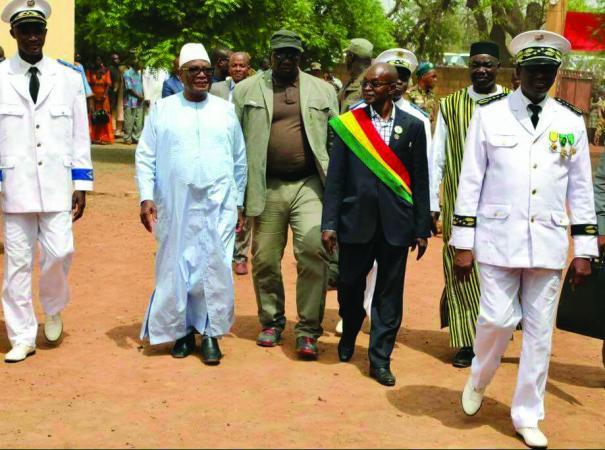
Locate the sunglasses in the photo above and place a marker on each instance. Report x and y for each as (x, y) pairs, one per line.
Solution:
(195, 71)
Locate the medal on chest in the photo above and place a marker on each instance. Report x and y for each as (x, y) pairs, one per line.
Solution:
(563, 143)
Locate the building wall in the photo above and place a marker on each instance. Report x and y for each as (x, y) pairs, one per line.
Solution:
(61, 31)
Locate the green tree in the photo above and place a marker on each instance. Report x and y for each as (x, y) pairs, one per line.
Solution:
(156, 29)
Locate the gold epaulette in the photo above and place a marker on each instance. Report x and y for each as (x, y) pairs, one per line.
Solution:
(568, 105)
(493, 98)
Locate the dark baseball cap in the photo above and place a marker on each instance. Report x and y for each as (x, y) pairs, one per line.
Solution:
(286, 39)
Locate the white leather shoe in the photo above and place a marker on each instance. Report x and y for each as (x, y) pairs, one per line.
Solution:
(53, 327)
(472, 398)
(533, 437)
(339, 328)
(18, 353)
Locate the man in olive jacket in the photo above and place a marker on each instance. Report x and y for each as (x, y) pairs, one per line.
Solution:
(284, 115)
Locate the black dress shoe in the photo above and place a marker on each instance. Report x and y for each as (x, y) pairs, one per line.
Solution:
(383, 375)
(211, 353)
(464, 357)
(184, 346)
(346, 349)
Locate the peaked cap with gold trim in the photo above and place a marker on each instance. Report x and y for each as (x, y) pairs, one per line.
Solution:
(23, 11)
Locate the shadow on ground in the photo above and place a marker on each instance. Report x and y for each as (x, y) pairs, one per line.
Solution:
(443, 405)
(113, 155)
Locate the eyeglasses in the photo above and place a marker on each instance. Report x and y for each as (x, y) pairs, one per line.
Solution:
(374, 84)
(287, 55)
(195, 71)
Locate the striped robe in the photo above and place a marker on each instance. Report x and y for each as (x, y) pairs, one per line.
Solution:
(460, 300)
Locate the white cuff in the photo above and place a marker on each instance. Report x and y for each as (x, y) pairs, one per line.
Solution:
(463, 238)
(146, 194)
(82, 185)
(585, 246)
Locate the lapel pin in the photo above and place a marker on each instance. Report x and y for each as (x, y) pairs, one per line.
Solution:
(398, 130)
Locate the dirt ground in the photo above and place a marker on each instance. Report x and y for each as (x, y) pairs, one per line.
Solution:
(102, 387)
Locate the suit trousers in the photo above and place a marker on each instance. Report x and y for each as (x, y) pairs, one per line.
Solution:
(355, 263)
(499, 313)
(21, 232)
(296, 204)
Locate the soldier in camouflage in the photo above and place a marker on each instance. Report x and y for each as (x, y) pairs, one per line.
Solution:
(423, 95)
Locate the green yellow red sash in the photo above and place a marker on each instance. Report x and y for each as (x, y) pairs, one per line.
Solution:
(357, 131)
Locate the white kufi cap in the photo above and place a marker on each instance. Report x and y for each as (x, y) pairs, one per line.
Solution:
(192, 52)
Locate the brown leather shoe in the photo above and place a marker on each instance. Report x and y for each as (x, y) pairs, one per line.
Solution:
(306, 347)
(241, 268)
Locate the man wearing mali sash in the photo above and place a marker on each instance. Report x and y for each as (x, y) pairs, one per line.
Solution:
(460, 300)
(376, 206)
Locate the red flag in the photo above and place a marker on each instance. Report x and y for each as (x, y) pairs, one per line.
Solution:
(586, 31)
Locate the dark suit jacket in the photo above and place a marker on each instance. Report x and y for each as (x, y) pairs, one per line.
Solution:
(356, 201)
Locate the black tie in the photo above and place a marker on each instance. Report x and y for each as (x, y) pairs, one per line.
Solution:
(535, 116)
(34, 83)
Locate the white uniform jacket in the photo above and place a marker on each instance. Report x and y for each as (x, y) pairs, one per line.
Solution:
(43, 146)
(516, 182)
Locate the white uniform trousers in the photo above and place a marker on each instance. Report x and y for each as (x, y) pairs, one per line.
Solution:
(500, 312)
(21, 231)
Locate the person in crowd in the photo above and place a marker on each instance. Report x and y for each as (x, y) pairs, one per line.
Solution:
(116, 81)
(173, 85)
(220, 62)
(515, 82)
(2, 57)
(265, 64)
(358, 57)
(459, 300)
(239, 70)
(423, 93)
(117, 90)
(376, 207)
(330, 78)
(526, 161)
(46, 171)
(101, 129)
(599, 197)
(133, 102)
(284, 114)
(316, 70)
(153, 82)
(191, 173)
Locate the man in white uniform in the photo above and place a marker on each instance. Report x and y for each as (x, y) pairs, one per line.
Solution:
(44, 156)
(191, 171)
(459, 306)
(526, 161)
